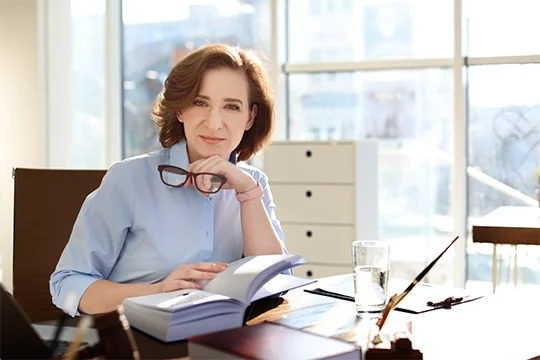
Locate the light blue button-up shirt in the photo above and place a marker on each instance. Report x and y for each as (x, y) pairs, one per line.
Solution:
(135, 229)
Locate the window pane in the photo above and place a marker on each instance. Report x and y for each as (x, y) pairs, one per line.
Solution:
(88, 149)
(410, 113)
(157, 33)
(503, 27)
(340, 30)
(504, 149)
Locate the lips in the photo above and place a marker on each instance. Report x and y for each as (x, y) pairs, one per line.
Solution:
(211, 139)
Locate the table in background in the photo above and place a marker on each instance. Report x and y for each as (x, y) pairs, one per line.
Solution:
(512, 225)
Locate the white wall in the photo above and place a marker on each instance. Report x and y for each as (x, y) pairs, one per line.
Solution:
(21, 137)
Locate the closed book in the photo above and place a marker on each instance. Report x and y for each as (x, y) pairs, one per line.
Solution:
(220, 305)
(269, 341)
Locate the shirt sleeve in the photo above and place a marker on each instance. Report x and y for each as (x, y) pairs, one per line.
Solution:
(96, 240)
(271, 210)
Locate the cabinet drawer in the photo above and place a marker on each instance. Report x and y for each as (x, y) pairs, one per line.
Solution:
(313, 163)
(331, 204)
(320, 244)
(317, 271)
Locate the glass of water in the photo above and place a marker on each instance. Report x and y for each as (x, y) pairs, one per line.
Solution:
(371, 265)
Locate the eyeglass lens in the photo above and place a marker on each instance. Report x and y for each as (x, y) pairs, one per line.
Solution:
(174, 177)
(207, 182)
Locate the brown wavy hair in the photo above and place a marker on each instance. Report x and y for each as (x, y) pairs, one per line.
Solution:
(183, 84)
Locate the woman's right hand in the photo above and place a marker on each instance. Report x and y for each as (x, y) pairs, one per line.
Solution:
(186, 276)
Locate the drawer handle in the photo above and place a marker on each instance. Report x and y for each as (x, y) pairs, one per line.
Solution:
(308, 233)
(309, 273)
(308, 153)
(308, 193)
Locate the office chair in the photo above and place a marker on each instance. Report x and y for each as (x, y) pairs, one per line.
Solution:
(45, 208)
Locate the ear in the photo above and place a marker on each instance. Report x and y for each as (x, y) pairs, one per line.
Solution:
(252, 115)
(179, 116)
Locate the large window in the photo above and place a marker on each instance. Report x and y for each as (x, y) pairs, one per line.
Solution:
(390, 70)
(503, 125)
(156, 34)
(504, 152)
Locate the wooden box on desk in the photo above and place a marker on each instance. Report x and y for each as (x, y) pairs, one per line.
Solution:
(269, 341)
(326, 194)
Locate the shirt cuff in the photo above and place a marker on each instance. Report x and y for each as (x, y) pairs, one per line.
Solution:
(76, 284)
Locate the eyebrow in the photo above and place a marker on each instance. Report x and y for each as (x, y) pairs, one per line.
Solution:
(226, 99)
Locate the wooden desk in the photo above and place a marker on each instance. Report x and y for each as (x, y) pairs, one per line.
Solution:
(514, 225)
(502, 326)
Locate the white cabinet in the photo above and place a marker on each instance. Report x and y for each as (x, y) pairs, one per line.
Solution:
(326, 197)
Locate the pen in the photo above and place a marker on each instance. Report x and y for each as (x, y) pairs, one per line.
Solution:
(331, 294)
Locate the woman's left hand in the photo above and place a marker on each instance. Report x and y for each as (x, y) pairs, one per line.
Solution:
(237, 179)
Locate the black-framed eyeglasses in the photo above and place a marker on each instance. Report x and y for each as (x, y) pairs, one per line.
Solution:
(208, 183)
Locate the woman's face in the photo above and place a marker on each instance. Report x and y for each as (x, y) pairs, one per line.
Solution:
(215, 123)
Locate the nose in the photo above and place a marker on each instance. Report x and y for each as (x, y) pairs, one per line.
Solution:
(213, 122)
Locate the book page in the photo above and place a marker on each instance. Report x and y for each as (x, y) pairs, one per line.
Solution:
(279, 284)
(244, 277)
(176, 300)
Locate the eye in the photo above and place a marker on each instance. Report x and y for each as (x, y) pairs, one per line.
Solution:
(199, 103)
(232, 107)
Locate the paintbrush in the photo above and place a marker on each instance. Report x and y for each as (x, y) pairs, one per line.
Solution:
(395, 299)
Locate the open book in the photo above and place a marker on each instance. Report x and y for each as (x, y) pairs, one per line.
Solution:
(221, 303)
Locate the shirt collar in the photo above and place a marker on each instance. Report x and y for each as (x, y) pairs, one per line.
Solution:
(179, 155)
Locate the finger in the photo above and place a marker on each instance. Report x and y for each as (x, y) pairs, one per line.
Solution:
(210, 266)
(202, 165)
(200, 275)
(194, 166)
(181, 284)
(177, 284)
(213, 161)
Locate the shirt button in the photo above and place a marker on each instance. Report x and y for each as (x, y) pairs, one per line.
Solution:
(207, 233)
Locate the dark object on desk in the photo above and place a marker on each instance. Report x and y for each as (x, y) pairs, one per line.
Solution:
(21, 340)
(401, 348)
(269, 341)
(55, 343)
(260, 307)
(45, 207)
(446, 303)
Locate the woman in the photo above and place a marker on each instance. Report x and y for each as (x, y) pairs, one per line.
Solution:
(152, 227)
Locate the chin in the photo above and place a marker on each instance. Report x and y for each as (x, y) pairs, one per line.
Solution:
(208, 150)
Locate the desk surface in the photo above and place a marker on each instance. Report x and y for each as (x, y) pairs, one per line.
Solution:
(484, 328)
(516, 225)
(502, 326)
